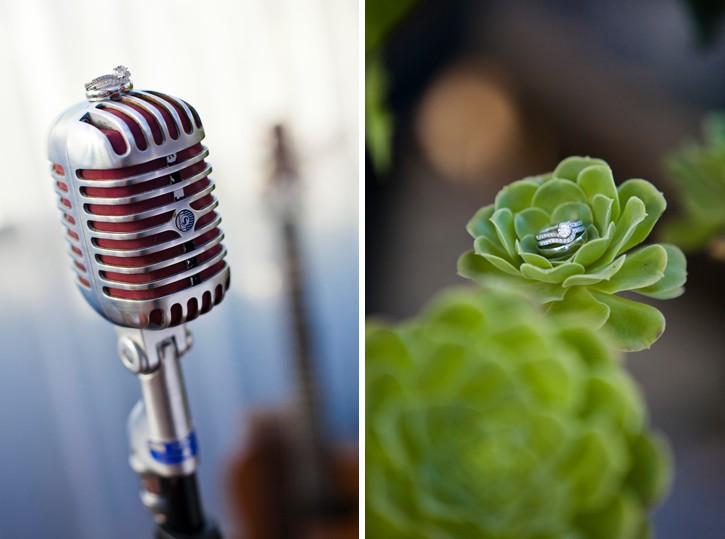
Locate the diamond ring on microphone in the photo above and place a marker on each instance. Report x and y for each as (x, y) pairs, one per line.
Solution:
(561, 239)
(109, 85)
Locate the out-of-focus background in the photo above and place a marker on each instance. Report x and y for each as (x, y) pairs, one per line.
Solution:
(64, 395)
(484, 93)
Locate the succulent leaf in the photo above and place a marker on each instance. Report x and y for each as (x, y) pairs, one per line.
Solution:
(501, 264)
(698, 173)
(486, 418)
(572, 211)
(554, 192)
(570, 167)
(633, 214)
(517, 195)
(598, 180)
(597, 275)
(554, 275)
(672, 284)
(635, 325)
(529, 221)
(533, 258)
(654, 204)
(642, 268)
(602, 208)
(616, 220)
(592, 251)
(579, 303)
(503, 222)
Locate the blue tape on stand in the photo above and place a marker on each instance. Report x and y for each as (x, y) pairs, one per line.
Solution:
(176, 451)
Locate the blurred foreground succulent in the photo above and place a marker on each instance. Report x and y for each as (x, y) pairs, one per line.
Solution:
(584, 281)
(487, 419)
(698, 172)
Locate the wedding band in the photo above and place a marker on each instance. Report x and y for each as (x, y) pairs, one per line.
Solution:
(560, 239)
(109, 85)
(561, 231)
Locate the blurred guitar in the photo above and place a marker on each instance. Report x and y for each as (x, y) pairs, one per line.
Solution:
(290, 483)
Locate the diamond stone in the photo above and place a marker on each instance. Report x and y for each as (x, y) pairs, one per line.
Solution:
(564, 230)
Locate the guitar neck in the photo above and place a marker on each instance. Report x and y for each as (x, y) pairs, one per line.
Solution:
(313, 478)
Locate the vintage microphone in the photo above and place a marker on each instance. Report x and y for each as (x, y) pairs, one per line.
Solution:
(145, 246)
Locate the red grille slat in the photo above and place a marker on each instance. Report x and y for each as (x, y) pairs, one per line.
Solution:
(197, 119)
(131, 209)
(133, 226)
(168, 118)
(148, 294)
(144, 277)
(135, 189)
(118, 143)
(185, 122)
(140, 243)
(118, 173)
(142, 261)
(205, 220)
(150, 119)
(202, 203)
(135, 129)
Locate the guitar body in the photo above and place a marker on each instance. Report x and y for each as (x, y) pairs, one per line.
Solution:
(263, 493)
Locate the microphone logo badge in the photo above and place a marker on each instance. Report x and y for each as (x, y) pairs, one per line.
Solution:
(184, 220)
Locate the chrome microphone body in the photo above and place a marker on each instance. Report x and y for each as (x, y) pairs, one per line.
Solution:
(145, 245)
(135, 193)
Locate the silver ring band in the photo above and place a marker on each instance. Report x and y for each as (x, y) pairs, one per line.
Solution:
(560, 230)
(109, 85)
(560, 239)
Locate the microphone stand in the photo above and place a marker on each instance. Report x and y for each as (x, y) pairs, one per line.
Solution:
(162, 438)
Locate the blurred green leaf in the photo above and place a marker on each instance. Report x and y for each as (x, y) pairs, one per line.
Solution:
(698, 174)
(651, 457)
(381, 16)
(378, 119)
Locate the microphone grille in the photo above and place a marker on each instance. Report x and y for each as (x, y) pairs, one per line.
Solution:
(136, 198)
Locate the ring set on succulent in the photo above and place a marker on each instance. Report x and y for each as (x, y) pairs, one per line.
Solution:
(561, 239)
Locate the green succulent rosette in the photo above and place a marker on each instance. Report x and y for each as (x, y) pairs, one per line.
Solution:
(698, 173)
(487, 419)
(586, 281)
